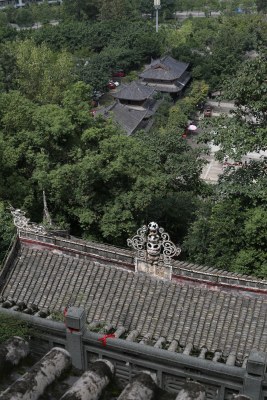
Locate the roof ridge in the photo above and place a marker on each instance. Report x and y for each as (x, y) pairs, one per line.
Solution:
(121, 256)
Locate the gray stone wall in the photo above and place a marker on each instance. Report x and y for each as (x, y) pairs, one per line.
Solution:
(172, 370)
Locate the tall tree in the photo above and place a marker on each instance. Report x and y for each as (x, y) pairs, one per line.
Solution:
(230, 232)
(6, 229)
(8, 68)
(114, 9)
(42, 74)
(261, 5)
(98, 181)
(80, 9)
(246, 130)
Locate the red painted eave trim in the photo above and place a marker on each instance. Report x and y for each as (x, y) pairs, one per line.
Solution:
(217, 285)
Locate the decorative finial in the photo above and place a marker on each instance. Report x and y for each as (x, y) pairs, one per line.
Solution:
(47, 220)
(153, 245)
(23, 223)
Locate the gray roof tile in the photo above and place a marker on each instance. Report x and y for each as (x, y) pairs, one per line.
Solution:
(189, 313)
(165, 68)
(134, 91)
(128, 118)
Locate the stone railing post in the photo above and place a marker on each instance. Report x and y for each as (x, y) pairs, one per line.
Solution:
(255, 371)
(75, 326)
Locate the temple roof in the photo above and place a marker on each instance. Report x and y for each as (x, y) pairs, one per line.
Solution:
(229, 318)
(127, 117)
(165, 68)
(134, 91)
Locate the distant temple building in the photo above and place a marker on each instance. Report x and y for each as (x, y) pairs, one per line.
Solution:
(166, 75)
(136, 102)
(133, 108)
(136, 96)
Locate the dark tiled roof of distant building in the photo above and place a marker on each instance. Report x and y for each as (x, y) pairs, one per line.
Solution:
(228, 318)
(134, 91)
(128, 118)
(166, 88)
(166, 69)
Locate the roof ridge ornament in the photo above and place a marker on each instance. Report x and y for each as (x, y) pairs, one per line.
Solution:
(154, 250)
(23, 223)
(47, 220)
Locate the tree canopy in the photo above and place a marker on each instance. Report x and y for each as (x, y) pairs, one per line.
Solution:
(102, 184)
(246, 130)
(230, 230)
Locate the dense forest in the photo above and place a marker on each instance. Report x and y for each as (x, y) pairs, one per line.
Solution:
(101, 184)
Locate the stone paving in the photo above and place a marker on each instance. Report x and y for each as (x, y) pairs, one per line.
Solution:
(212, 170)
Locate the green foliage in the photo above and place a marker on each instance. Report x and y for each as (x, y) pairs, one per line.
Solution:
(7, 230)
(8, 68)
(181, 112)
(261, 5)
(42, 75)
(231, 236)
(69, 35)
(163, 111)
(10, 326)
(6, 32)
(229, 231)
(246, 130)
(102, 47)
(118, 179)
(24, 17)
(196, 243)
(44, 12)
(248, 183)
(253, 257)
(58, 316)
(215, 47)
(237, 135)
(102, 184)
(33, 137)
(147, 7)
(32, 13)
(80, 9)
(175, 37)
(114, 10)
